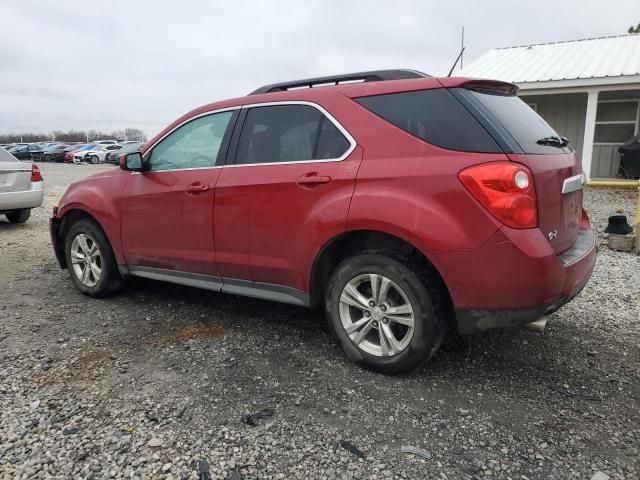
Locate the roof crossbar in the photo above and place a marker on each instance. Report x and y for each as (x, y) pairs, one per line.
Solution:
(372, 76)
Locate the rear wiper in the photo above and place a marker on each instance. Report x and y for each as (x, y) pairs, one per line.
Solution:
(554, 141)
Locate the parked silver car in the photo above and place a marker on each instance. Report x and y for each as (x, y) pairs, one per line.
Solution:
(21, 187)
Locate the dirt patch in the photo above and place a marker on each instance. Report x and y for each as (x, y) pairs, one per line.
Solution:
(90, 359)
(196, 332)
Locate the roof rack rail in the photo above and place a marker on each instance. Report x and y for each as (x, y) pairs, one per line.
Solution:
(372, 76)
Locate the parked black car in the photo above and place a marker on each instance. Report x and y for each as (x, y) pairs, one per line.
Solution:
(112, 157)
(24, 152)
(54, 153)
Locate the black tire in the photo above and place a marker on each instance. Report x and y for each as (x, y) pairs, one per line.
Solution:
(110, 280)
(421, 289)
(94, 160)
(19, 216)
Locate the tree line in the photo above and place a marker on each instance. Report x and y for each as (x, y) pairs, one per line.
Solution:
(74, 136)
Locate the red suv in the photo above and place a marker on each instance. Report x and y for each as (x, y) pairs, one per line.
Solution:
(404, 204)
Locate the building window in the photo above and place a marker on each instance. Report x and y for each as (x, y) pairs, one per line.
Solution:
(616, 121)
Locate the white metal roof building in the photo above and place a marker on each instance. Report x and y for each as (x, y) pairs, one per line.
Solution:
(588, 90)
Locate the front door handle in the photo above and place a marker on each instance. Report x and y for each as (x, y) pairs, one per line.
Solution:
(196, 188)
(311, 179)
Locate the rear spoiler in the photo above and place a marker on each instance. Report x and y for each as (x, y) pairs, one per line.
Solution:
(480, 85)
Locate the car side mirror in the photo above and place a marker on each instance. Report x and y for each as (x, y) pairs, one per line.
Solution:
(131, 162)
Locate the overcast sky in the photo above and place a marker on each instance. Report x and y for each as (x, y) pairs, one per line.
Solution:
(114, 64)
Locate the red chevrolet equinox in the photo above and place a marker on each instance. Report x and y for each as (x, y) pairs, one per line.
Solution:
(403, 204)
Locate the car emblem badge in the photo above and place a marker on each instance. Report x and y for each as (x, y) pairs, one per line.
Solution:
(553, 235)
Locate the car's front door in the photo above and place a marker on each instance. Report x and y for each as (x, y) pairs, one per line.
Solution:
(289, 187)
(167, 210)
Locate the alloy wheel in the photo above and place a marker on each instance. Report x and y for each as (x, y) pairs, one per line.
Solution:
(86, 259)
(377, 315)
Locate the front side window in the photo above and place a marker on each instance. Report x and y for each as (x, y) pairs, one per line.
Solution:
(289, 133)
(193, 145)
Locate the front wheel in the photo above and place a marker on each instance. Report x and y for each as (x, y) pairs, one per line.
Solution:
(90, 260)
(93, 159)
(386, 314)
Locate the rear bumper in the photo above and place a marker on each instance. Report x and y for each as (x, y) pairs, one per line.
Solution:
(31, 198)
(515, 278)
(470, 322)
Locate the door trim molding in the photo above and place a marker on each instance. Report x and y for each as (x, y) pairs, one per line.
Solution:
(207, 282)
(235, 286)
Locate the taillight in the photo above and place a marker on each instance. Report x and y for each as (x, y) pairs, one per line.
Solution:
(505, 189)
(36, 176)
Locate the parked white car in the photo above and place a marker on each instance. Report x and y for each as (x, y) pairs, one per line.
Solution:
(96, 154)
(21, 187)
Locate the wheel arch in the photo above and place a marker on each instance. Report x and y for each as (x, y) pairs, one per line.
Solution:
(73, 215)
(354, 241)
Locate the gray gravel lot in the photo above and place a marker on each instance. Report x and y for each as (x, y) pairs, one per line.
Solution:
(148, 383)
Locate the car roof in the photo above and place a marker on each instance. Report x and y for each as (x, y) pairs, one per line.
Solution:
(319, 94)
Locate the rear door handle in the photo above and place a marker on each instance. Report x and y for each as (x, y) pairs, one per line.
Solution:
(312, 179)
(196, 188)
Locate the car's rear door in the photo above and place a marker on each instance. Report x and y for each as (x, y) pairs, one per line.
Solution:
(167, 210)
(288, 187)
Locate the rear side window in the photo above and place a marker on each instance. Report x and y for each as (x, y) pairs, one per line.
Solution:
(331, 142)
(289, 133)
(434, 116)
(520, 121)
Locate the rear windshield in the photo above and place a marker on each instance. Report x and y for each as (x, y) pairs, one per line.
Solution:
(6, 156)
(521, 122)
(434, 116)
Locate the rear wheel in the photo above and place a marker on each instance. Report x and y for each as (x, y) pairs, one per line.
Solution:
(19, 216)
(385, 313)
(90, 260)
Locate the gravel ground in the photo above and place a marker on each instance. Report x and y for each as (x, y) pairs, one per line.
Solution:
(154, 382)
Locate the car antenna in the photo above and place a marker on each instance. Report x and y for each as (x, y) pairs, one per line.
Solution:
(460, 55)
(456, 62)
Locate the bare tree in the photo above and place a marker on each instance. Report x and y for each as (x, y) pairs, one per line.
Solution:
(74, 136)
(135, 134)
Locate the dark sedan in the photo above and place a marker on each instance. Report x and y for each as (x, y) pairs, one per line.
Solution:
(24, 152)
(54, 153)
(112, 157)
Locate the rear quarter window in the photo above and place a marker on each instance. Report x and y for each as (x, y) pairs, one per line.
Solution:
(434, 116)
